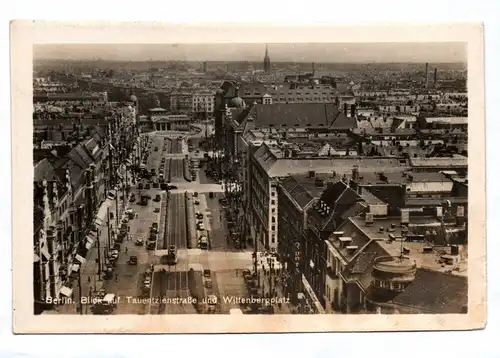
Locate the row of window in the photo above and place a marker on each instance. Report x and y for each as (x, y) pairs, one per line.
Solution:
(304, 99)
(389, 285)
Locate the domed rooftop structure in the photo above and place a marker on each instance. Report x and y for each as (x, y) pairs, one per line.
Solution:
(133, 98)
(237, 102)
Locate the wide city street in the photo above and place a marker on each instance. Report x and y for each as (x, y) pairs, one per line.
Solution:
(143, 277)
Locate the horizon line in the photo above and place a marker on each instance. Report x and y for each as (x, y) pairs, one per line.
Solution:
(252, 61)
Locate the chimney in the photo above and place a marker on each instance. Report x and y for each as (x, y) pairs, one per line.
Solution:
(368, 219)
(355, 173)
(426, 75)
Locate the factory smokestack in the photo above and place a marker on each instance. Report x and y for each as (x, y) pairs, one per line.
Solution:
(426, 75)
(435, 76)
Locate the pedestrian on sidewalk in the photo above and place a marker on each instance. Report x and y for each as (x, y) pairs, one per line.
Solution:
(126, 249)
(116, 278)
(89, 279)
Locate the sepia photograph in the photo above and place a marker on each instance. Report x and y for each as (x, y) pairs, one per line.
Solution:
(271, 180)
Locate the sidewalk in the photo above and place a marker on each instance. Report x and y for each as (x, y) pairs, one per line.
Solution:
(90, 281)
(284, 308)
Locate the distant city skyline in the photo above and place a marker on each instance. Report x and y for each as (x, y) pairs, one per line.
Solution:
(448, 52)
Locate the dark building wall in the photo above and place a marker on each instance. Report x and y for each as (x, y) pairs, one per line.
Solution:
(314, 251)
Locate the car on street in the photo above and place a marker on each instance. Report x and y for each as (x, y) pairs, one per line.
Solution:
(156, 210)
(132, 260)
(151, 245)
(200, 226)
(139, 241)
(208, 283)
(156, 149)
(195, 194)
(156, 185)
(203, 242)
(199, 215)
(158, 197)
(132, 198)
(125, 220)
(153, 172)
(147, 186)
(140, 186)
(116, 246)
(196, 202)
(163, 160)
(155, 225)
(207, 273)
(171, 187)
(211, 195)
(111, 195)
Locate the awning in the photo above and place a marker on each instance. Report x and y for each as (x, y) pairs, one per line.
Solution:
(80, 259)
(75, 267)
(88, 245)
(46, 255)
(102, 214)
(36, 258)
(66, 291)
(90, 240)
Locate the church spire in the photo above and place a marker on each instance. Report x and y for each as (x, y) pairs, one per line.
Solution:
(267, 61)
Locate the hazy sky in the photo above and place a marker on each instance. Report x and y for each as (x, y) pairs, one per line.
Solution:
(319, 52)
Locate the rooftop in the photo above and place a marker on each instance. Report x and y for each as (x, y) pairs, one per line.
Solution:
(387, 234)
(277, 166)
(435, 292)
(300, 115)
(438, 162)
(447, 120)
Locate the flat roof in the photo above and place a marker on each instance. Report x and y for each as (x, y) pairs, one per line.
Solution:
(416, 252)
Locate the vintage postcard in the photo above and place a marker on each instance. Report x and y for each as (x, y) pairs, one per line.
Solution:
(222, 178)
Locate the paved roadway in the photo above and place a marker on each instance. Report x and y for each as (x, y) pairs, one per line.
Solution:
(225, 262)
(177, 170)
(176, 222)
(130, 278)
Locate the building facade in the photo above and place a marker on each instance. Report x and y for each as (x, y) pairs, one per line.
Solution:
(203, 105)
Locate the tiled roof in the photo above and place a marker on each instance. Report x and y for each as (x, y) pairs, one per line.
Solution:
(301, 196)
(44, 170)
(359, 239)
(361, 267)
(435, 292)
(300, 115)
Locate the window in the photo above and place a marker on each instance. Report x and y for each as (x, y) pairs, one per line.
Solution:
(273, 210)
(273, 238)
(273, 202)
(273, 193)
(273, 219)
(273, 228)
